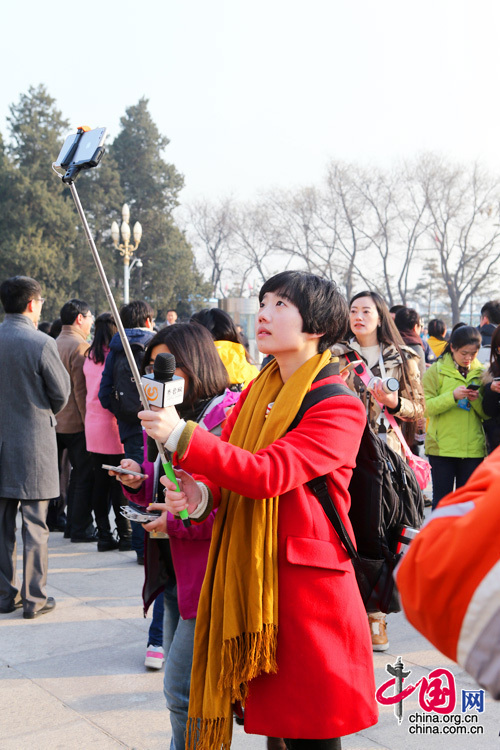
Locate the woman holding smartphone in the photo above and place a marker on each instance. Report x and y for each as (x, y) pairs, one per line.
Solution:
(491, 395)
(455, 441)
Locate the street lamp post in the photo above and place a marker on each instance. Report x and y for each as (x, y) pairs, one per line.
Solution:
(126, 248)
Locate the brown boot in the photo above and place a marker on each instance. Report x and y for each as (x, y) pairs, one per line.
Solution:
(378, 631)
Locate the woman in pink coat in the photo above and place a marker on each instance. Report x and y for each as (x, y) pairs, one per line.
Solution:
(281, 625)
(103, 442)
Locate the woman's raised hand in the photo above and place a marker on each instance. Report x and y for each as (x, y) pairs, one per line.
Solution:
(460, 392)
(159, 423)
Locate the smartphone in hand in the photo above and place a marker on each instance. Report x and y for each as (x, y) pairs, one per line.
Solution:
(121, 470)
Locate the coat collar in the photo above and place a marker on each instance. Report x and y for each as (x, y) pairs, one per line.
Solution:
(20, 319)
(72, 331)
(447, 367)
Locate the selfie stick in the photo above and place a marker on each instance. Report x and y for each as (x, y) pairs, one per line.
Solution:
(69, 179)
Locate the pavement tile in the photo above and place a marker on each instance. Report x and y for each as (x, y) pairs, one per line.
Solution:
(75, 678)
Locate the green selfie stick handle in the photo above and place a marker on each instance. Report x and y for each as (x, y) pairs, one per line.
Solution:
(169, 472)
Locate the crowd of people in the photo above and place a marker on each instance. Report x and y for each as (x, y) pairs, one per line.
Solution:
(260, 574)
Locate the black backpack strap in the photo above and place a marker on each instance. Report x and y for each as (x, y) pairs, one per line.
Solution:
(319, 394)
(332, 368)
(318, 485)
(320, 489)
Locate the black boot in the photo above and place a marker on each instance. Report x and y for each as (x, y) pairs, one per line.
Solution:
(106, 541)
(124, 530)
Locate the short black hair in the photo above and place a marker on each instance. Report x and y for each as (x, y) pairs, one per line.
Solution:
(395, 308)
(406, 319)
(71, 310)
(55, 328)
(135, 314)
(17, 291)
(321, 305)
(436, 328)
(492, 311)
(218, 322)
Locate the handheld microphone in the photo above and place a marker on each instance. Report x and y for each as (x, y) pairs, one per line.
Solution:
(163, 388)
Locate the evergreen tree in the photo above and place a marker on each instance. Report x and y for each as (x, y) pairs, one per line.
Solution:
(40, 225)
(151, 187)
(100, 192)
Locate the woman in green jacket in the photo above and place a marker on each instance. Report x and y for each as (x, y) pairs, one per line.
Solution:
(455, 440)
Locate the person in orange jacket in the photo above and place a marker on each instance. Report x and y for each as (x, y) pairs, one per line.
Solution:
(449, 580)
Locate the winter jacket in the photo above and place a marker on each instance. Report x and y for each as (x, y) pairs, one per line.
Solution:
(448, 580)
(72, 345)
(453, 431)
(101, 429)
(35, 387)
(414, 341)
(437, 345)
(135, 336)
(324, 686)
(412, 399)
(234, 359)
(491, 407)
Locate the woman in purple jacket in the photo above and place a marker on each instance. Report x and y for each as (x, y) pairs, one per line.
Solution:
(177, 564)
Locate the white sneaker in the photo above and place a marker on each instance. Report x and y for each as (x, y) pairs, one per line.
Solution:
(155, 656)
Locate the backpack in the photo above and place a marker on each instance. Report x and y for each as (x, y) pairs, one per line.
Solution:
(125, 401)
(385, 501)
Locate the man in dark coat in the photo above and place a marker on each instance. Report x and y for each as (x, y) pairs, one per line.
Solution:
(72, 346)
(137, 317)
(490, 318)
(35, 386)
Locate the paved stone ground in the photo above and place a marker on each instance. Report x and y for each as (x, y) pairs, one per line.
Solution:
(75, 679)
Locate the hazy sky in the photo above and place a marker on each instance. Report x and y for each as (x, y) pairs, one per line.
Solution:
(264, 93)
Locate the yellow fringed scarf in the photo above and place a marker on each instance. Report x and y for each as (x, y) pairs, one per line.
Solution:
(237, 621)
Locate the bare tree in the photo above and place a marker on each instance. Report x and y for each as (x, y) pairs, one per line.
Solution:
(212, 232)
(344, 219)
(293, 220)
(255, 243)
(463, 204)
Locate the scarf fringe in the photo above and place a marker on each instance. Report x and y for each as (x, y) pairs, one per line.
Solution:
(245, 657)
(207, 734)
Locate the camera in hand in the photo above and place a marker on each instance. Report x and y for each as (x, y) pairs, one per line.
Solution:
(390, 385)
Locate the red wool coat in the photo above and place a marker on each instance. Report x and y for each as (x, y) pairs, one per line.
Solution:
(325, 685)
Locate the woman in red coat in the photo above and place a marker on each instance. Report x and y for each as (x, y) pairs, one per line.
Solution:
(281, 625)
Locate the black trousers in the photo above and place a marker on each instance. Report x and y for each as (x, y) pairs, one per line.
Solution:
(333, 744)
(107, 493)
(81, 482)
(449, 473)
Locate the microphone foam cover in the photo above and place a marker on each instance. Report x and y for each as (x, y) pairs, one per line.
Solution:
(164, 366)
